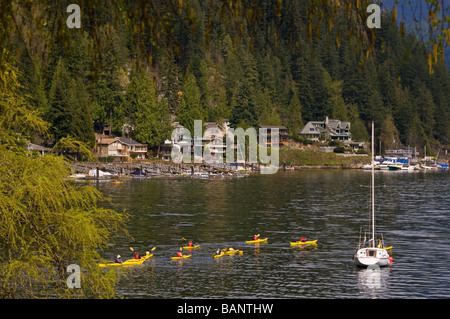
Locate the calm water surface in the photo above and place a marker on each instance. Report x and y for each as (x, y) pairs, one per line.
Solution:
(412, 213)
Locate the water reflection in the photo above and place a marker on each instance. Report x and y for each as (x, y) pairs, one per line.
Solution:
(412, 213)
(373, 281)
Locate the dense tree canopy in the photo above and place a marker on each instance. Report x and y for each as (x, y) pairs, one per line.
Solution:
(46, 222)
(254, 62)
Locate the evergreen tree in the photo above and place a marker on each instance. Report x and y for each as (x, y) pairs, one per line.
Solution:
(81, 126)
(169, 78)
(293, 116)
(245, 114)
(339, 108)
(150, 117)
(69, 111)
(190, 106)
(60, 114)
(389, 135)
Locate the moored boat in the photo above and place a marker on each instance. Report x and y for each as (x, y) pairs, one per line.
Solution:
(371, 255)
(394, 166)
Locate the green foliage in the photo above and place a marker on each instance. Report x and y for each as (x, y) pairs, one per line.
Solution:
(150, 117)
(18, 120)
(190, 106)
(69, 111)
(73, 148)
(253, 62)
(46, 222)
(339, 149)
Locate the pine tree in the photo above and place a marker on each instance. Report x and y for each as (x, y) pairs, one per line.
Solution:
(81, 126)
(190, 106)
(245, 114)
(293, 117)
(389, 135)
(339, 108)
(60, 114)
(150, 117)
(170, 83)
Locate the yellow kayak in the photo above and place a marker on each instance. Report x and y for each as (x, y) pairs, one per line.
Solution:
(256, 241)
(232, 252)
(310, 242)
(128, 262)
(219, 255)
(191, 247)
(182, 257)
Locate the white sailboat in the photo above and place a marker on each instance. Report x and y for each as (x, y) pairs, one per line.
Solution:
(372, 254)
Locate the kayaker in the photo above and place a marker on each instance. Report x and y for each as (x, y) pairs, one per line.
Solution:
(218, 252)
(190, 243)
(380, 243)
(136, 255)
(255, 237)
(302, 239)
(118, 259)
(180, 254)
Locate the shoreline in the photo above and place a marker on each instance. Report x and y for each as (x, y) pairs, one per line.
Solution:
(170, 169)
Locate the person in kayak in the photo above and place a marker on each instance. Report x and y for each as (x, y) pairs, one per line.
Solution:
(255, 237)
(118, 259)
(190, 244)
(136, 255)
(302, 239)
(218, 252)
(180, 254)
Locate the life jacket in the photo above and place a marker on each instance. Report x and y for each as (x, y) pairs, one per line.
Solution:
(136, 256)
(179, 254)
(303, 239)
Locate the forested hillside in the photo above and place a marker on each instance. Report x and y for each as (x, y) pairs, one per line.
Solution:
(275, 63)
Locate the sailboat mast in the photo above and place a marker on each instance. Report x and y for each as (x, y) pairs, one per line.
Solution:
(373, 189)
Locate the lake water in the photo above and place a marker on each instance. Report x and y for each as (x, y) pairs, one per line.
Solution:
(412, 213)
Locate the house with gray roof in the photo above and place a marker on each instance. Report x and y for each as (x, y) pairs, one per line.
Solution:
(327, 130)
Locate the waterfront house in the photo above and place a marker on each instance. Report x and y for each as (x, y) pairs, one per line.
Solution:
(283, 135)
(328, 129)
(38, 148)
(119, 147)
(133, 149)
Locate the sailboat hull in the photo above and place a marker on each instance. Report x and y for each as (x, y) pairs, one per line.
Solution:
(365, 257)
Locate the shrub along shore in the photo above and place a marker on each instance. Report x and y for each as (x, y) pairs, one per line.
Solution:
(312, 158)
